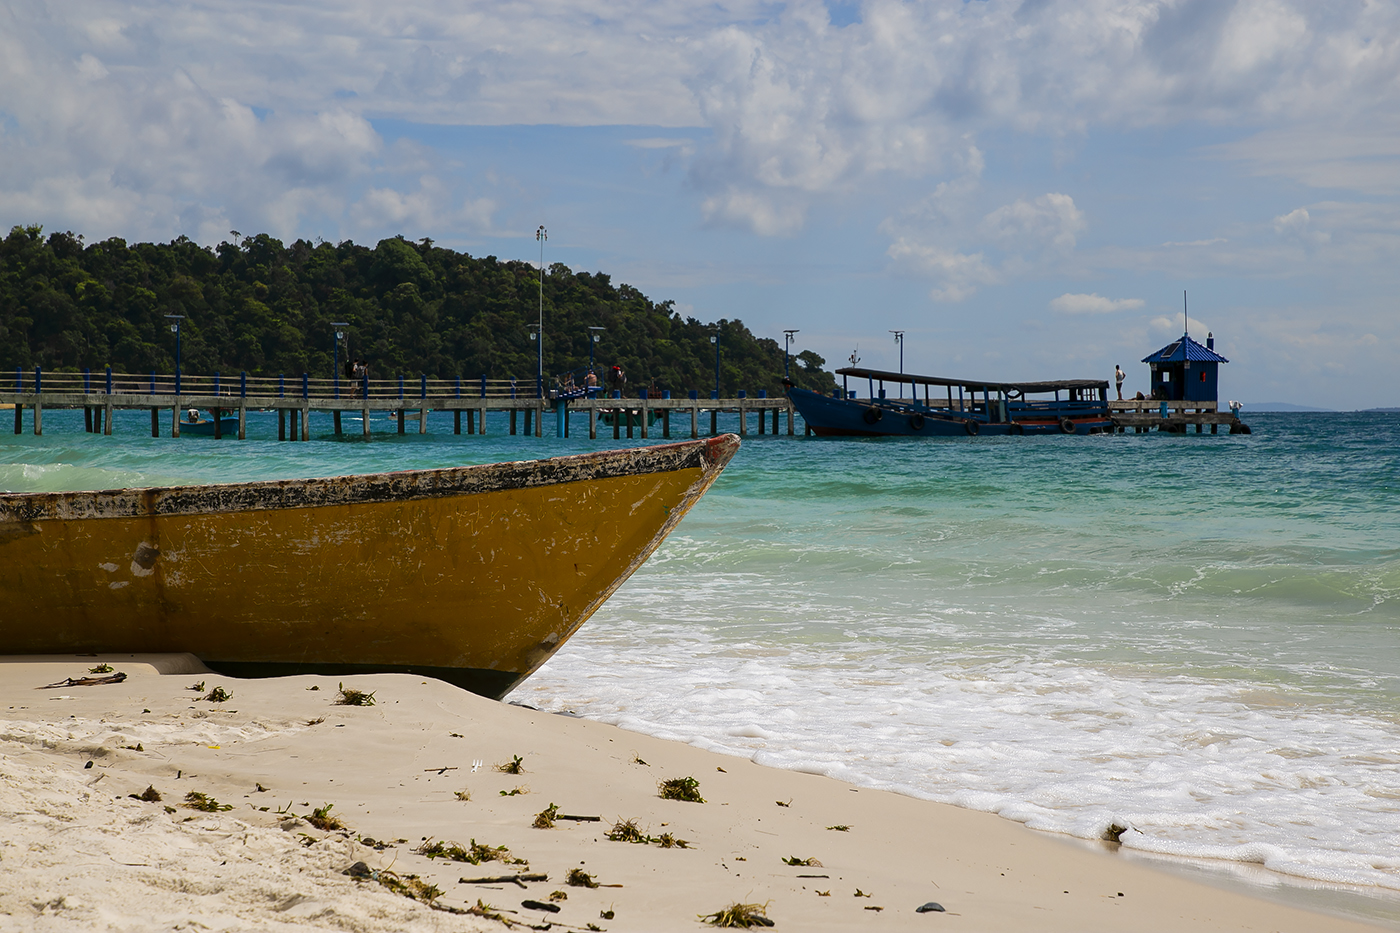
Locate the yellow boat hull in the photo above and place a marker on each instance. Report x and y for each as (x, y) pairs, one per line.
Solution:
(474, 575)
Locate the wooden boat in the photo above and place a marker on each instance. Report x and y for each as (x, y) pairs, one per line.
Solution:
(979, 407)
(474, 575)
(196, 424)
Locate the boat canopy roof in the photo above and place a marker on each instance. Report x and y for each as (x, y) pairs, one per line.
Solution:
(977, 385)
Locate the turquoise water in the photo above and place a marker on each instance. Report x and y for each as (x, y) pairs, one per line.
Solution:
(1193, 637)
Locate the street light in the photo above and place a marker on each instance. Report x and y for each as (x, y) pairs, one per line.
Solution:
(339, 336)
(542, 235)
(787, 345)
(899, 339)
(593, 337)
(714, 339)
(175, 329)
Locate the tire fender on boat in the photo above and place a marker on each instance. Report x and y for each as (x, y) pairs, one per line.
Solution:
(972, 427)
(1066, 426)
(916, 421)
(872, 415)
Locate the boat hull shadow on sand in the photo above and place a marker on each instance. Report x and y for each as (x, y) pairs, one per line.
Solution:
(474, 575)
(966, 408)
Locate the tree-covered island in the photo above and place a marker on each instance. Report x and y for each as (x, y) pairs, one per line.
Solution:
(261, 307)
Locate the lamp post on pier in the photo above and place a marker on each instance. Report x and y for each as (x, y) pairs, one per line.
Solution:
(899, 339)
(175, 329)
(542, 235)
(714, 339)
(339, 336)
(594, 335)
(787, 346)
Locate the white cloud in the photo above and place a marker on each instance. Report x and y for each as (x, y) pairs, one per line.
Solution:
(936, 237)
(1259, 32)
(795, 109)
(765, 213)
(663, 142)
(429, 208)
(1093, 303)
(1051, 221)
(958, 274)
(1196, 243)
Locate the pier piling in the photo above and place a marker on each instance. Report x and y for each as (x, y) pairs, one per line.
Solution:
(293, 412)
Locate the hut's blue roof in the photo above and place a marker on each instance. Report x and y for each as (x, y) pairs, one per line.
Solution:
(1185, 349)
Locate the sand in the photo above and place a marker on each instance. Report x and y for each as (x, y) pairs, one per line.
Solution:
(77, 852)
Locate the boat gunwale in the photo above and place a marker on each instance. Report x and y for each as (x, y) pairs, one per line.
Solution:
(707, 455)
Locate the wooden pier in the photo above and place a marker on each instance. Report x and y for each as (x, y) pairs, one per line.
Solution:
(1177, 417)
(294, 400)
(469, 400)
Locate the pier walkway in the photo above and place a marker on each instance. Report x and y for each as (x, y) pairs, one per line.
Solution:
(294, 400)
(1142, 415)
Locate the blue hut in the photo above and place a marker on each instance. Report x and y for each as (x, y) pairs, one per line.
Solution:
(1186, 371)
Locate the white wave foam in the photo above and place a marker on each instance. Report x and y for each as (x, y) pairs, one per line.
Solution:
(1198, 768)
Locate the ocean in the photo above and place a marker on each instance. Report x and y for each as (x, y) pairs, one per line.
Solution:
(1192, 642)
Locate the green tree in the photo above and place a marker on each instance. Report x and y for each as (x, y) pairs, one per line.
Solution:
(260, 306)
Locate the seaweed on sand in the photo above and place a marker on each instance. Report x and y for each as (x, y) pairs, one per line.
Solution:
(802, 862)
(353, 697)
(197, 801)
(686, 788)
(627, 831)
(578, 878)
(514, 766)
(218, 695)
(321, 818)
(483, 909)
(545, 818)
(474, 854)
(410, 886)
(739, 915)
(150, 794)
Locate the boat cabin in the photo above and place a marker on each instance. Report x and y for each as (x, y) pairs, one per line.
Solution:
(1186, 371)
(993, 401)
(940, 406)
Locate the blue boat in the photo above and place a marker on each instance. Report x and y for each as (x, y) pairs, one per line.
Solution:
(195, 423)
(953, 407)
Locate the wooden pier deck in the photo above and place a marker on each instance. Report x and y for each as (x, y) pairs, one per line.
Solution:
(1142, 415)
(295, 400)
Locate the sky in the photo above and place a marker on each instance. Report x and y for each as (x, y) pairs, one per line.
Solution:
(1028, 190)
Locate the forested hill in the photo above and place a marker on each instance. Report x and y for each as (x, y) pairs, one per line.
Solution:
(265, 308)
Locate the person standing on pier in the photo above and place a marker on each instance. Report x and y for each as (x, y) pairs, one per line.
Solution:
(1118, 377)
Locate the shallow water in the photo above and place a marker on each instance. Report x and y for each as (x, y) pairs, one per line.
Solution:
(1193, 637)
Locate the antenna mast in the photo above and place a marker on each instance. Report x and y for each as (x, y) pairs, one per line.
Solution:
(1185, 318)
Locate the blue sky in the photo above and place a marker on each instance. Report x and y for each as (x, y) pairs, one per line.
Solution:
(1025, 188)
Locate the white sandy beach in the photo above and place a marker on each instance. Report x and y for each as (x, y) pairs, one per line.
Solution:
(78, 853)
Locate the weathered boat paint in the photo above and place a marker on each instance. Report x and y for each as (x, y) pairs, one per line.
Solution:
(475, 575)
